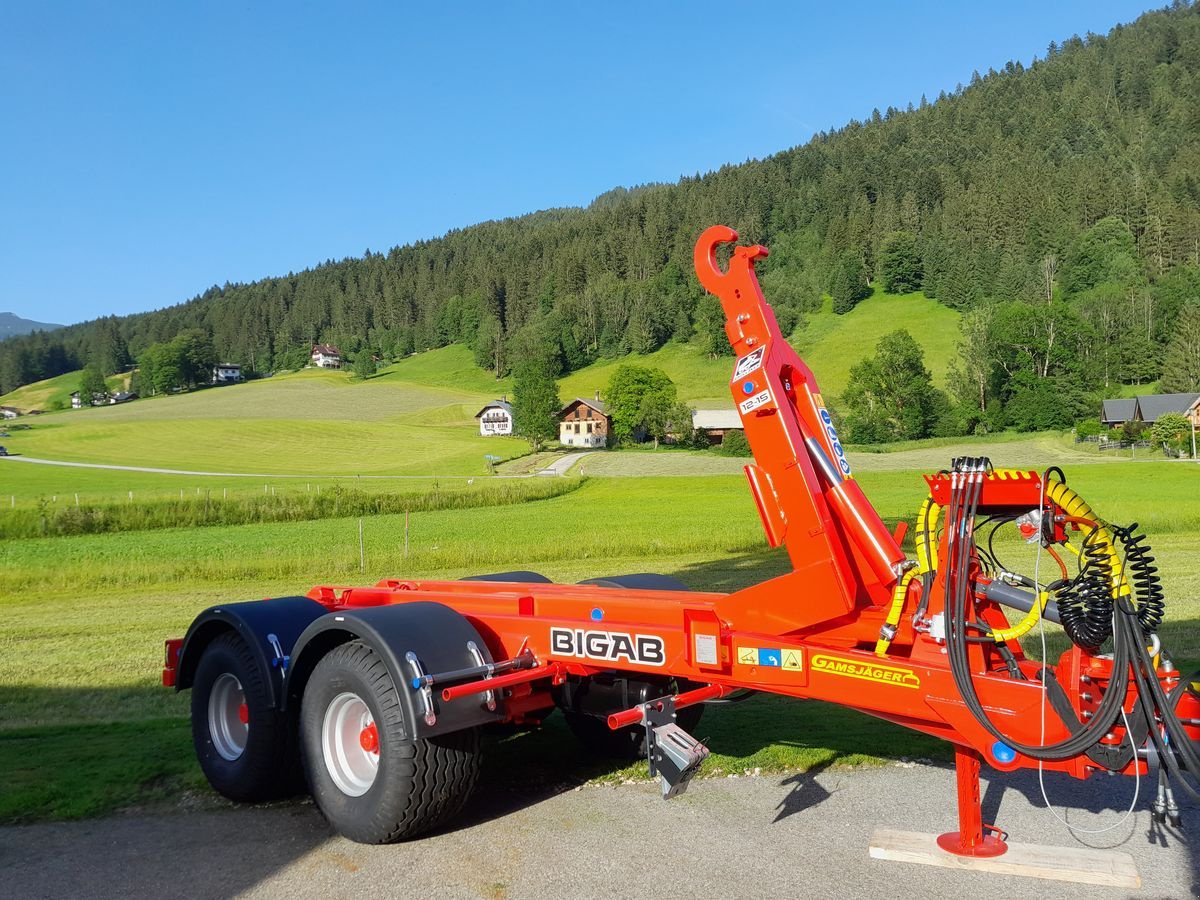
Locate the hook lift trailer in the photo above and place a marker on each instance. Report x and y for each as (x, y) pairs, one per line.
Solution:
(377, 694)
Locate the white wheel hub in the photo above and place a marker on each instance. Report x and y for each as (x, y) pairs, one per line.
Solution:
(228, 717)
(350, 744)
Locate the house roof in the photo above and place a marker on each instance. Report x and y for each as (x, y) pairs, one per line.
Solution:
(723, 419)
(1118, 411)
(10, 408)
(598, 405)
(233, 365)
(496, 404)
(326, 350)
(1153, 406)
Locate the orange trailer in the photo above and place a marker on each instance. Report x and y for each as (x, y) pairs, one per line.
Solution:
(373, 697)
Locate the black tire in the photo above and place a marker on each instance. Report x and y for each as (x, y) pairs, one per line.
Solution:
(418, 784)
(625, 743)
(265, 768)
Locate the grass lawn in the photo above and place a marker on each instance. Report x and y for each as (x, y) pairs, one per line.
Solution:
(82, 620)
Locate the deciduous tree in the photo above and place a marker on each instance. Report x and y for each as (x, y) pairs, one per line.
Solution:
(639, 400)
(890, 396)
(536, 404)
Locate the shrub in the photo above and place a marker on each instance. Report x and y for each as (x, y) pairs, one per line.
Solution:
(735, 444)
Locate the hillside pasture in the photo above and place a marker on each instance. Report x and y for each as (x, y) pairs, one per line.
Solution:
(56, 391)
(313, 422)
(832, 344)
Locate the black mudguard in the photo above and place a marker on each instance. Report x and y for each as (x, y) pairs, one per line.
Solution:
(521, 576)
(257, 622)
(437, 634)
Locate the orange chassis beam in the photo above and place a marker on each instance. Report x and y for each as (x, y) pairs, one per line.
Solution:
(912, 688)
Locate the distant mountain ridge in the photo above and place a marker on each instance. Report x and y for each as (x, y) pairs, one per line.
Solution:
(12, 325)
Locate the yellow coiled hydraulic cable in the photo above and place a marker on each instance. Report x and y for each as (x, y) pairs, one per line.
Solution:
(1076, 507)
(927, 518)
(927, 560)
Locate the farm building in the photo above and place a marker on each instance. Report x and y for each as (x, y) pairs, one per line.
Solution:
(584, 423)
(226, 373)
(1153, 406)
(121, 397)
(326, 356)
(9, 412)
(496, 418)
(97, 400)
(716, 423)
(1148, 408)
(1115, 413)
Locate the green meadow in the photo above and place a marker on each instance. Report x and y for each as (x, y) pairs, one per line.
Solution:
(84, 618)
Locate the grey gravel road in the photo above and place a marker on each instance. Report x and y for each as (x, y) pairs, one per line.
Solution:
(561, 465)
(769, 836)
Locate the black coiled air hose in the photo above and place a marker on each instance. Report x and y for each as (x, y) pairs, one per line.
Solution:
(1085, 606)
(1143, 577)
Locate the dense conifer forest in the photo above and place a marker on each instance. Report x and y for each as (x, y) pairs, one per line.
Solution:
(1056, 205)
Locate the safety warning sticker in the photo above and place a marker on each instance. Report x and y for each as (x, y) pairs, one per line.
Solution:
(762, 397)
(748, 363)
(706, 649)
(771, 656)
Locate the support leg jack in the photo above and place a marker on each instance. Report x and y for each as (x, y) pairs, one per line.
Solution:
(974, 837)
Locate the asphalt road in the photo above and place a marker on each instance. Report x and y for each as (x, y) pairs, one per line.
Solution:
(769, 836)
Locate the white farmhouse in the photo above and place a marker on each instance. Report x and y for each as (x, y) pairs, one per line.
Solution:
(496, 418)
(326, 356)
(226, 373)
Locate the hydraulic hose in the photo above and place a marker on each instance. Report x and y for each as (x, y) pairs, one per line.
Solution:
(1086, 605)
(1143, 575)
(964, 500)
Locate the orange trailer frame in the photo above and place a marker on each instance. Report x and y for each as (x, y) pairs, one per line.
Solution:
(831, 629)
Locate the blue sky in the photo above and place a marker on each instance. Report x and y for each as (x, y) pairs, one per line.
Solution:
(150, 150)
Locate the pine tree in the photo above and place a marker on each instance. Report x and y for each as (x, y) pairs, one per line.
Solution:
(900, 263)
(849, 283)
(1181, 365)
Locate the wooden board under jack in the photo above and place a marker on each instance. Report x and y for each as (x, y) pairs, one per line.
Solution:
(1079, 864)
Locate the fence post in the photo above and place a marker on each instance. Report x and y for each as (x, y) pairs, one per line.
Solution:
(362, 553)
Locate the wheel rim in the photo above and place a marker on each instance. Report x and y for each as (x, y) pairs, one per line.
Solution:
(228, 719)
(350, 744)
